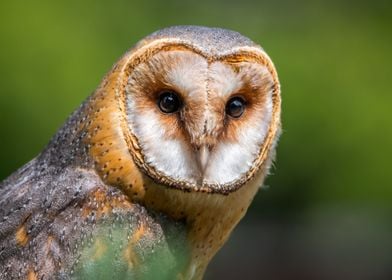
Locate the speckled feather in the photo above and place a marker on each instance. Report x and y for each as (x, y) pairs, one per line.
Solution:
(57, 211)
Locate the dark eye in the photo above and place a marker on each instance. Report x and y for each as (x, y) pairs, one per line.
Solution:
(235, 107)
(169, 102)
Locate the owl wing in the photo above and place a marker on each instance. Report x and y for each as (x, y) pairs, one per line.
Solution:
(71, 225)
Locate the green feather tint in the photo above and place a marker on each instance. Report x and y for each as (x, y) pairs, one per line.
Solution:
(106, 257)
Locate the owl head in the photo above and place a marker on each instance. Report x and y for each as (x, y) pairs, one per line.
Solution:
(202, 108)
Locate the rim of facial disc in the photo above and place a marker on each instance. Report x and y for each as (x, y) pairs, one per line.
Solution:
(240, 54)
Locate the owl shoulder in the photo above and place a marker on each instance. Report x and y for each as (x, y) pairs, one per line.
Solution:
(72, 225)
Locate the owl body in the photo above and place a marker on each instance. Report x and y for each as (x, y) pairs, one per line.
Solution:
(150, 175)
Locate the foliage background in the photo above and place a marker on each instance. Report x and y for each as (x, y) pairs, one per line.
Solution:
(326, 213)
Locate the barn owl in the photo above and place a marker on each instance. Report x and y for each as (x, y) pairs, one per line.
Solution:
(149, 176)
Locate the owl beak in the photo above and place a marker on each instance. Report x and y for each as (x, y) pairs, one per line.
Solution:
(202, 157)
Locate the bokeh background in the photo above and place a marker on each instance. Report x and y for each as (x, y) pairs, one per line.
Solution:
(326, 210)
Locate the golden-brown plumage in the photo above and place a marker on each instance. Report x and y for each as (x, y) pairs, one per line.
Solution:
(193, 172)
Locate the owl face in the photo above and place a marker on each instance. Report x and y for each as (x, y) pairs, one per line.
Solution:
(200, 123)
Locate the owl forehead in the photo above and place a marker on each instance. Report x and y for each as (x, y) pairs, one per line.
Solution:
(193, 75)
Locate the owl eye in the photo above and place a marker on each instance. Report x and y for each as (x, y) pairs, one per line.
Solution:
(235, 107)
(169, 102)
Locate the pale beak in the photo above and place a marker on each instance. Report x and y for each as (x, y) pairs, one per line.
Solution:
(202, 157)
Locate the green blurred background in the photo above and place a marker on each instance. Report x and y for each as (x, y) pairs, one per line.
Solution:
(326, 213)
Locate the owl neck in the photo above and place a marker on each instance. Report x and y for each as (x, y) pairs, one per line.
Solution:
(92, 138)
(210, 218)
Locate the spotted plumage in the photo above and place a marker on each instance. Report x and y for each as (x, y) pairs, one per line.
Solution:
(147, 179)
